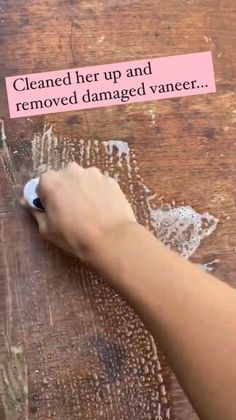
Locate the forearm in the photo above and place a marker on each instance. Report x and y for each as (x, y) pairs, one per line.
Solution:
(190, 313)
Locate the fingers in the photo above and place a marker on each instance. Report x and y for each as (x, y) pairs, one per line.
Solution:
(40, 217)
(49, 181)
(73, 165)
(47, 184)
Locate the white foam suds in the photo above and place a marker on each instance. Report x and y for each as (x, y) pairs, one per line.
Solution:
(121, 146)
(209, 266)
(181, 228)
(122, 151)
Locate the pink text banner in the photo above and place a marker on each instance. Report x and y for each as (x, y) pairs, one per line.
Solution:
(110, 84)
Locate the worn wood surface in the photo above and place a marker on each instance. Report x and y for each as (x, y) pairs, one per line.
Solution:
(69, 347)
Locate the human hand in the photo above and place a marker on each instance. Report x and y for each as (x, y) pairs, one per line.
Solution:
(82, 205)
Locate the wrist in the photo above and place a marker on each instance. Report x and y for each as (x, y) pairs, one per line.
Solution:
(107, 252)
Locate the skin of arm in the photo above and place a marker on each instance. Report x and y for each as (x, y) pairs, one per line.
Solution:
(190, 313)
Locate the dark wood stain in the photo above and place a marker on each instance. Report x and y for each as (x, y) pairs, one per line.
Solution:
(209, 133)
(73, 120)
(111, 355)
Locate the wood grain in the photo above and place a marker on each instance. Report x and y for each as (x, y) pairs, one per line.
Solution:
(67, 341)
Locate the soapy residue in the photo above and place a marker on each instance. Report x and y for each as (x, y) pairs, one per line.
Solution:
(5, 157)
(209, 266)
(2, 133)
(14, 383)
(180, 228)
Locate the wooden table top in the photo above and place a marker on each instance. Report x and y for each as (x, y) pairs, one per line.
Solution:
(70, 347)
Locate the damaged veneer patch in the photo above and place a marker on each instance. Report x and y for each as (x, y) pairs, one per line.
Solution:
(180, 228)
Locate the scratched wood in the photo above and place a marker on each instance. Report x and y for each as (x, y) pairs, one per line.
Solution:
(69, 343)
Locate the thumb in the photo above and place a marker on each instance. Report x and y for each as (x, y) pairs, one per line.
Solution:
(41, 219)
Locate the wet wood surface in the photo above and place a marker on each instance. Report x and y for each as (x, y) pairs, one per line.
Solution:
(70, 348)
